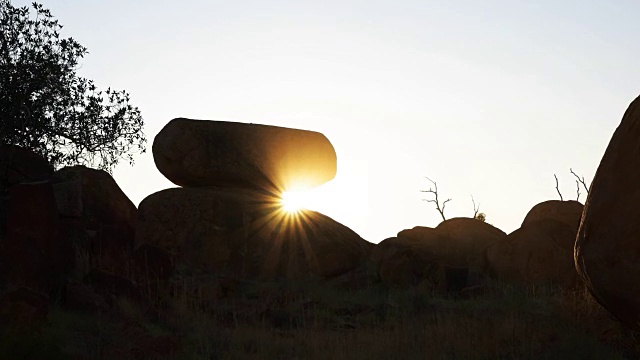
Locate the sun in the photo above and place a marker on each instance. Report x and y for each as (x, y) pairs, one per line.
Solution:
(294, 201)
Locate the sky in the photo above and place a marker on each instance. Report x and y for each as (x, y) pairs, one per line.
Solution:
(489, 99)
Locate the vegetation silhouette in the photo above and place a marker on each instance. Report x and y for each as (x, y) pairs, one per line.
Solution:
(441, 206)
(579, 181)
(46, 107)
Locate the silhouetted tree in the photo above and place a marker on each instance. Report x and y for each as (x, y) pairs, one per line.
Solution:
(579, 180)
(557, 188)
(476, 208)
(434, 191)
(46, 107)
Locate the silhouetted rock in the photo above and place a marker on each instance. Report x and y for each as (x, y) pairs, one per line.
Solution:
(460, 242)
(246, 233)
(19, 165)
(69, 198)
(607, 249)
(31, 254)
(22, 310)
(390, 246)
(111, 286)
(356, 279)
(155, 263)
(81, 297)
(537, 253)
(568, 212)
(108, 216)
(154, 347)
(229, 154)
(404, 262)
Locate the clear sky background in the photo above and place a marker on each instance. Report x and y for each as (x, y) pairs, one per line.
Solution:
(487, 98)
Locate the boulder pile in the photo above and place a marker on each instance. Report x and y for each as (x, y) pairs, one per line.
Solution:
(227, 218)
(459, 252)
(448, 257)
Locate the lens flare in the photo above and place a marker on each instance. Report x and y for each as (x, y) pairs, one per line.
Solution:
(293, 201)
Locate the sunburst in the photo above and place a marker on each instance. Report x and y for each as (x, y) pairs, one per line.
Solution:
(293, 201)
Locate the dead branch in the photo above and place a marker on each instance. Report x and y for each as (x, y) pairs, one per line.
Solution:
(434, 191)
(557, 188)
(578, 190)
(581, 179)
(475, 208)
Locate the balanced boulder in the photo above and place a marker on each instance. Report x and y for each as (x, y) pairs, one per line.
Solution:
(246, 234)
(607, 248)
(218, 153)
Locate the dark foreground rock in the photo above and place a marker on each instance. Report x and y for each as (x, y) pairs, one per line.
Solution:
(246, 234)
(538, 253)
(456, 242)
(568, 212)
(18, 165)
(607, 249)
(102, 210)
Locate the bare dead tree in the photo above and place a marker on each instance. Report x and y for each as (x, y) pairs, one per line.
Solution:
(476, 214)
(581, 180)
(557, 188)
(434, 191)
(475, 208)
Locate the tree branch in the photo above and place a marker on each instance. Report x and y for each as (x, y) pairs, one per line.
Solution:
(581, 180)
(475, 208)
(557, 189)
(436, 201)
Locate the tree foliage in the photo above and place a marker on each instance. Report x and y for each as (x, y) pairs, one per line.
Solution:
(46, 107)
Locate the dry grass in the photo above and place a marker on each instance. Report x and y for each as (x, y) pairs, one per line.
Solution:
(215, 319)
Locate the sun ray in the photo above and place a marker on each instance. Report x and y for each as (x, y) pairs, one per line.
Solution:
(293, 201)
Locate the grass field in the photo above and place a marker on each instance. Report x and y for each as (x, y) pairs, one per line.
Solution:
(274, 321)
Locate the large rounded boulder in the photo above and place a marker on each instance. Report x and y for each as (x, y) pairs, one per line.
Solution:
(218, 153)
(18, 164)
(246, 233)
(607, 249)
(537, 253)
(460, 242)
(403, 261)
(91, 200)
(568, 212)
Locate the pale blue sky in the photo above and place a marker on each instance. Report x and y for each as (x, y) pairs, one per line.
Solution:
(489, 98)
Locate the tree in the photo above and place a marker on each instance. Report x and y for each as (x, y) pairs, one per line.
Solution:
(46, 107)
(557, 188)
(439, 207)
(476, 214)
(579, 180)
